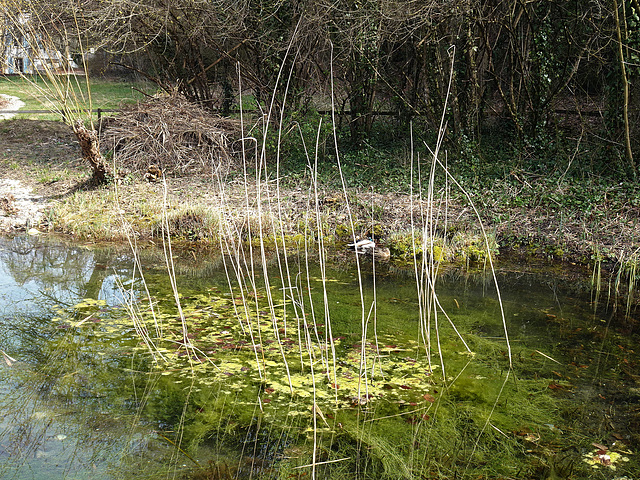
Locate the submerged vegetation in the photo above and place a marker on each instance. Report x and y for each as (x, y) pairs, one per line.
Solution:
(243, 399)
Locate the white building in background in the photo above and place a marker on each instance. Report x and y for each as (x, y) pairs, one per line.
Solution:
(25, 52)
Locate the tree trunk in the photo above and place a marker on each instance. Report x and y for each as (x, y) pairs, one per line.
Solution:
(625, 85)
(91, 152)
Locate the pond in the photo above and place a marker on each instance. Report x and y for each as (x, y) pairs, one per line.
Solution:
(242, 366)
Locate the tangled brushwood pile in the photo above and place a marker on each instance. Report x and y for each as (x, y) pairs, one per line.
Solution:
(172, 133)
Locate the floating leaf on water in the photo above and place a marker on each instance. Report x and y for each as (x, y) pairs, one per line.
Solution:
(608, 459)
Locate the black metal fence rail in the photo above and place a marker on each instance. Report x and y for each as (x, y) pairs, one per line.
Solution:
(99, 111)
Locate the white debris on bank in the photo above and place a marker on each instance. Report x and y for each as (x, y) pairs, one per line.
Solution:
(8, 102)
(19, 209)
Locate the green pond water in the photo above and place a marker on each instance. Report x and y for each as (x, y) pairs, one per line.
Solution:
(329, 373)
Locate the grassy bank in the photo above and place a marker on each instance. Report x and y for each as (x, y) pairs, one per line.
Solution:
(550, 217)
(198, 211)
(532, 201)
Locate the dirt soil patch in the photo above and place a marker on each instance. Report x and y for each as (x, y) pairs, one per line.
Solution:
(38, 165)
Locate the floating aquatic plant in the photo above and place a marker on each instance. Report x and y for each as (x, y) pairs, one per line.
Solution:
(602, 456)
